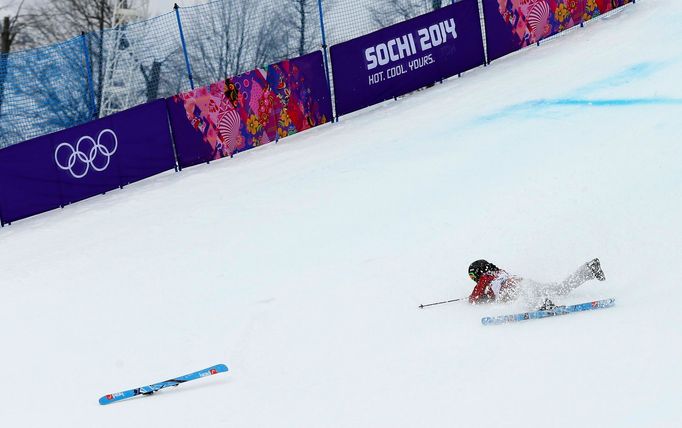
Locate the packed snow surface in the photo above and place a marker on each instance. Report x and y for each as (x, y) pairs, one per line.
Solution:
(301, 264)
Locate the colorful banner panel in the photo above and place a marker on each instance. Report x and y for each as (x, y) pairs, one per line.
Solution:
(407, 56)
(250, 110)
(514, 24)
(71, 165)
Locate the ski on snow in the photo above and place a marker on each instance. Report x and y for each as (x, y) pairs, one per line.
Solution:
(558, 310)
(150, 389)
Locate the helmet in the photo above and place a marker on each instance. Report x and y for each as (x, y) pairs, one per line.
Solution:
(479, 268)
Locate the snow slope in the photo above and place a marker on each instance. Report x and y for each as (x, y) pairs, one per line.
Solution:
(300, 265)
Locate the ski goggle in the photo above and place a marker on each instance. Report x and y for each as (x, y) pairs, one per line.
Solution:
(473, 276)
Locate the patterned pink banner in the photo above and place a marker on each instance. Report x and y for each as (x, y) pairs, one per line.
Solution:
(515, 24)
(250, 110)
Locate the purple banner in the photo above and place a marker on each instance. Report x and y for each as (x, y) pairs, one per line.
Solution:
(514, 24)
(407, 56)
(250, 110)
(71, 165)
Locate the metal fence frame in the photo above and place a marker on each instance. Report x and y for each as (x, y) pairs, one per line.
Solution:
(46, 89)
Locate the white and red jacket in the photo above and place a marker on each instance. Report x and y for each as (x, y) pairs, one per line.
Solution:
(493, 286)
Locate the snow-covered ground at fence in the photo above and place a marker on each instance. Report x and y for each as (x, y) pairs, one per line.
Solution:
(301, 264)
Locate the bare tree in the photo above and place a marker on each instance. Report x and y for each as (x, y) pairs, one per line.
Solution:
(302, 25)
(54, 21)
(389, 12)
(11, 27)
(57, 20)
(231, 37)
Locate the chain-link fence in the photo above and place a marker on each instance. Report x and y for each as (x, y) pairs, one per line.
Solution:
(348, 19)
(54, 87)
(44, 90)
(136, 63)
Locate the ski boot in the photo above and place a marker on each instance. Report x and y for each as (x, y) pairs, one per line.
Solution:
(595, 267)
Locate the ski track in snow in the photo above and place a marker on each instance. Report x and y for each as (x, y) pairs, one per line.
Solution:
(300, 264)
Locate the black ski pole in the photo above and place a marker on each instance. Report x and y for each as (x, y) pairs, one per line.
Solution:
(440, 303)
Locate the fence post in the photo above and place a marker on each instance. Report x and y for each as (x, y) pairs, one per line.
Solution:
(88, 67)
(324, 51)
(184, 45)
(484, 32)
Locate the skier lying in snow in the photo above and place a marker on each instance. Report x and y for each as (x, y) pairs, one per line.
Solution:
(495, 284)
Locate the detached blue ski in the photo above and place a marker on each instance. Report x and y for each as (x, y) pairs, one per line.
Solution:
(558, 310)
(150, 389)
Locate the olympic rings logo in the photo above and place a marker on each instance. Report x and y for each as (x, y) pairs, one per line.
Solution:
(80, 159)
